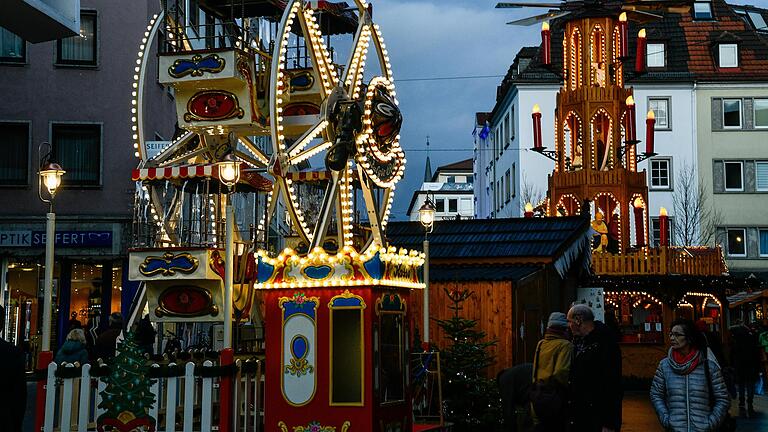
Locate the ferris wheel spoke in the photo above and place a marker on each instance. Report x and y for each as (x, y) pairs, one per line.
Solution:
(293, 210)
(325, 211)
(254, 150)
(248, 159)
(353, 75)
(307, 137)
(317, 50)
(308, 153)
(171, 150)
(374, 216)
(183, 158)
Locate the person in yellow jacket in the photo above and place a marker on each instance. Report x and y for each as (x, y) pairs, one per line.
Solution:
(551, 371)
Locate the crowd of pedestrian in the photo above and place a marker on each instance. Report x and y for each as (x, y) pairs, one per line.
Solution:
(574, 383)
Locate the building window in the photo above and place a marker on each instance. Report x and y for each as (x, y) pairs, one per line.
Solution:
(734, 178)
(79, 50)
(507, 193)
(758, 21)
(729, 55)
(514, 181)
(656, 230)
(505, 128)
(702, 11)
(77, 147)
(440, 205)
(761, 176)
(764, 242)
(661, 173)
(13, 49)
(737, 243)
(660, 108)
(453, 205)
(732, 113)
(761, 113)
(512, 124)
(655, 55)
(14, 165)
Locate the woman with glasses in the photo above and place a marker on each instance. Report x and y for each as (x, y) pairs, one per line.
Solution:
(688, 391)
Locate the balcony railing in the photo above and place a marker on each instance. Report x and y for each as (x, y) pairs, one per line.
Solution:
(693, 261)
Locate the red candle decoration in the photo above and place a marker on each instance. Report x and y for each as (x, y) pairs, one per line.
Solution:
(630, 124)
(528, 210)
(640, 59)
(639, 222)
(650, 124)
(536, 127)
(546, 55)
(663, 227)
(623, 39)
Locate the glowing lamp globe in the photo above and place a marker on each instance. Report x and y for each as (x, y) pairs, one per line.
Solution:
(229, 170)
(50, 175)
(427, 214)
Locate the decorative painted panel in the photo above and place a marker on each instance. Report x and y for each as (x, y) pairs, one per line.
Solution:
(298, 368)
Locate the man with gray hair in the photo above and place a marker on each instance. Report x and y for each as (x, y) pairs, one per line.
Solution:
(596, 391)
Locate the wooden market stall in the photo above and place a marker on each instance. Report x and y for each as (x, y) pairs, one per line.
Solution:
(519, 270)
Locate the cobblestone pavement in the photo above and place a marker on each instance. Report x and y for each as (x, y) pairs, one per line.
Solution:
(639, 415)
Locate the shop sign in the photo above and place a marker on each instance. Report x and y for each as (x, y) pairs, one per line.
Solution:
(15, 238)
(63, 238)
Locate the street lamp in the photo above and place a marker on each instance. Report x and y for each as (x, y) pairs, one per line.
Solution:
(427, 219)
(49, 178)
(229, 174)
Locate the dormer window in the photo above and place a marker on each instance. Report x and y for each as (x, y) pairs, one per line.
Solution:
(728, 55)
(655, 56)
(702, 11)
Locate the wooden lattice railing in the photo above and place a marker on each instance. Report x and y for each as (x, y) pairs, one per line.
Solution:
(695, 261)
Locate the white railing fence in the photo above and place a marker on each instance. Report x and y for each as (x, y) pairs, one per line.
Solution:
(188, 397)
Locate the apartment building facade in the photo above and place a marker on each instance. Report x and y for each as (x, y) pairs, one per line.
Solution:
(76, 95)
(686, 164)
(451, 191)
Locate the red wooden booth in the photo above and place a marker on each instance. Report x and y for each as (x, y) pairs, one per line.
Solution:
(337, 339)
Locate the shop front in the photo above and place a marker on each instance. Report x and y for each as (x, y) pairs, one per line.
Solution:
(88, 279)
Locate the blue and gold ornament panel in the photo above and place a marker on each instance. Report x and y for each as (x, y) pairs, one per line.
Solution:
(298, 366)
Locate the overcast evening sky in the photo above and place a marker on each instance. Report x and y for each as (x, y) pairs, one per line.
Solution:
(430, 40)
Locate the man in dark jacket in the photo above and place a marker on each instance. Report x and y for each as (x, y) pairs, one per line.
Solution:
(13, 392)
(745, 357)
(514, 385)
(106, 343)
(595, 388)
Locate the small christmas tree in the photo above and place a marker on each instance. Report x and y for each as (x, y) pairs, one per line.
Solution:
(471, 400)
(127, 398)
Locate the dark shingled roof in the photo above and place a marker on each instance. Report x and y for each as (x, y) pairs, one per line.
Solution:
(465, 165)
(444, 273)
(534, 238)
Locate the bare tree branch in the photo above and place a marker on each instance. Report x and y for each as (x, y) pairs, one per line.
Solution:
(696, 220)
(529, 193)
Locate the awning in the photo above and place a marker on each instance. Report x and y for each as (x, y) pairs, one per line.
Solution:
(176, 172)
(248, 176)
(309, 176)
(746, 297)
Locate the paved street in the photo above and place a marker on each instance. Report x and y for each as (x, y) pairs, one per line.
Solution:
(640, 417)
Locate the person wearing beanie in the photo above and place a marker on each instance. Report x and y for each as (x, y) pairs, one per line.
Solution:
(551, 369)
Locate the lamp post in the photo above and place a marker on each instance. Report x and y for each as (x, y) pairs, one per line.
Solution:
(427, 219)
(229, 174)
(49, 178)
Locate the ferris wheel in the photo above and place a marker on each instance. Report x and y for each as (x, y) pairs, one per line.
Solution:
(356, 130)
(328, 127)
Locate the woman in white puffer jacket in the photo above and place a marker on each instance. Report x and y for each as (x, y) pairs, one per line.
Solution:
(686, 396)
